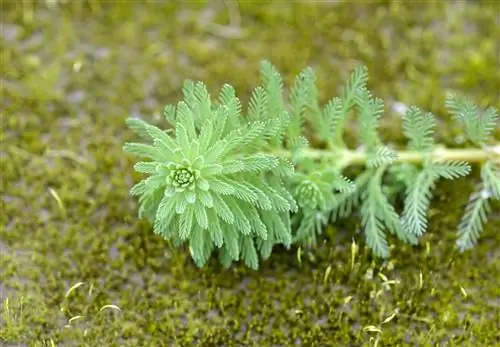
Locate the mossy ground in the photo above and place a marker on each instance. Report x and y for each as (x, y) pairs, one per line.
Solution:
(73, 71)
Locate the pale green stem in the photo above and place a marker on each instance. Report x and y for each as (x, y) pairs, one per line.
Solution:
(343, 158)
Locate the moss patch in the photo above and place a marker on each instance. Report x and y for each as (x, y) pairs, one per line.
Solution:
(73, 71)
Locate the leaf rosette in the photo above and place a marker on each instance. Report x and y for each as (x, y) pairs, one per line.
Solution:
(211, 185)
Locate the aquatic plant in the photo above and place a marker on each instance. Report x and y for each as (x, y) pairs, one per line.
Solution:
(238, 182)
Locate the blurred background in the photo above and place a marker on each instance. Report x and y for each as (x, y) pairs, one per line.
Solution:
(78, 268)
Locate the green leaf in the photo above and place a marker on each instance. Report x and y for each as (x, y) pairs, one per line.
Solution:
(347, 201)
(221, 186)
(343, 184)
(154, 182)
(373, 227)
(472, 222)
(139, 188)
(257, 109)
(220, 120)
(490, 174)
(188, 92)
(386, 212)
(278, 185)
(298, 102)
(259, 162)
(419, 128)
(181, 206)
(419, 193)
(275, 224)
(418, 196)
(206, 198)
(241, 190)
(164, 216)
(273, 84)
(225, 257)
(306, 230)
(201, 215)
(297, 144)
(243, 138)
(186, 223)
(372, 217)
(370, 110)
(231, 167)
(275, 198)
(240, 219)
(231, 242)
(451, 169)
(381, 156)
(214, 155)
(333, 115)
(231, 102)
(222, 209)
(258, 227)
(249, 253)
(146, 167)
(154, 133)
(169, 114)
(357, 80)
(477, 127)
(215, 229)
(139, 127)
(488, 123)
(203, 102)
(182, 138)
(185, 117)
(145, 151)
(205, 137)
(199, 246)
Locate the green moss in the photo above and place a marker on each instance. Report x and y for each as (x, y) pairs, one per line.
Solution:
(73, 71)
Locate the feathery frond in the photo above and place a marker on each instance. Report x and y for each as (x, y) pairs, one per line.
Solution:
(478, 126)
(419, 193)
(490, 174)
(357, 80)
(237, 182)
(474, 218)
(419, 128)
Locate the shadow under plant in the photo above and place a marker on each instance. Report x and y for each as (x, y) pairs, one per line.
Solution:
(78, 267)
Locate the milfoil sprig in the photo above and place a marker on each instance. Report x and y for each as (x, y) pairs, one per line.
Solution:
(236, 182)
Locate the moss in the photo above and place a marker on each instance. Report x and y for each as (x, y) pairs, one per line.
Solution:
(67, 217)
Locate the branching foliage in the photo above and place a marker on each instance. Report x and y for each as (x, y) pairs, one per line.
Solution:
(238, 182)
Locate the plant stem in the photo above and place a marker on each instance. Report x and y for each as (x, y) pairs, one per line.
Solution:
(346, 157)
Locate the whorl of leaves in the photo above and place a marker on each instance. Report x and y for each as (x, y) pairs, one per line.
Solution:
(212, 184)
(237, 182)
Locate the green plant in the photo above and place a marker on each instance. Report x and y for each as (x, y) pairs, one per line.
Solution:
(241, 182)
